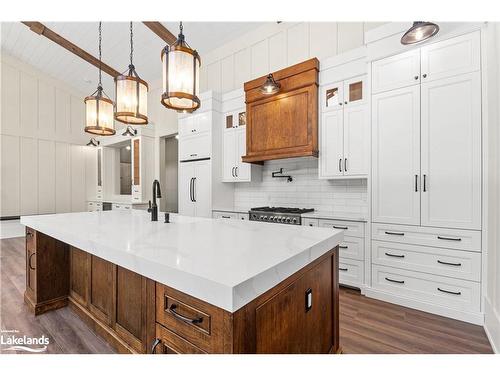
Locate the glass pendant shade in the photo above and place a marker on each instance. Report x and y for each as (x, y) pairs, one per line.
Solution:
(99, 115)
(131, 99)
(181, 76)
(270, 86)
(419, 32)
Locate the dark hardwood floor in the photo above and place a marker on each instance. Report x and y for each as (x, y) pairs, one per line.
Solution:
(366, 325)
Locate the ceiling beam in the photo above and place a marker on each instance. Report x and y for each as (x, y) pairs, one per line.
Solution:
(161, 31)
(41, 29)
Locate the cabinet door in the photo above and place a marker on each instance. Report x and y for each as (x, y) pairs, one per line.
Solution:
(355, 91)
(396, 71)
(186, 176)
(102, 278)
(356, 141)
(229, 160)
(195, 146)
(332, 97)
(243, 170)
(396, 156)
(202, 190)
(331, 153)
(451, 152)
(186, 126)
(451, 57)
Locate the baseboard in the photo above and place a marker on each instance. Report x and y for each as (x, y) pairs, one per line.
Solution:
(469, 317)
(42, 307)
(492, 325)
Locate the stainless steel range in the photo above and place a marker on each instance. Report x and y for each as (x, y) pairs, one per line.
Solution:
(282, 215)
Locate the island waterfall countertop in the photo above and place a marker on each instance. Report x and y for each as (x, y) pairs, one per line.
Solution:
(226, 263)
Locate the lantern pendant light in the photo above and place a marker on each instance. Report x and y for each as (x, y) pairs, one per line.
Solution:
(99, 107)
(131, 94)
(181, 76)
(270, 86)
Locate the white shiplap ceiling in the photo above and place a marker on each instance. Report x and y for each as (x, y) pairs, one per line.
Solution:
(19, 41)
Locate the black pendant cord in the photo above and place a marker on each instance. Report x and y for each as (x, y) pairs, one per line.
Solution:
(100, 54)
(131, 45)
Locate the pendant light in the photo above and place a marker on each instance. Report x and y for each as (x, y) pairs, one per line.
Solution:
(181, 76)
(419, 32)
(99, 107)
(270, 86)
(93, 142)
(130, 131)
(131, 94)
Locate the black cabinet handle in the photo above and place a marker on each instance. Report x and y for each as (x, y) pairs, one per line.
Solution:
(395, 233)
(425, 184)
(395, 281)
(342, 269)
(337, 227)
(29, 261)
(449, 292)
(340, 165)
(236, 171)
(183, 318)
(155, 344)
(345, 164)
(416, 77)
(191, 189)
(343, 247)
(424, 75)
(232, 172)
(226, 217)
(194, 190)
(449, 264)
(395, 255)
(416, 182)
(448, 238)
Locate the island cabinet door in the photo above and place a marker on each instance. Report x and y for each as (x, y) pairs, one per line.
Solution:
(79, 264)
(299, 319)
(102, 279)
(135, 304)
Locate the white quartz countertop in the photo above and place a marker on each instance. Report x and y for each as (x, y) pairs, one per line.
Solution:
(227, 263)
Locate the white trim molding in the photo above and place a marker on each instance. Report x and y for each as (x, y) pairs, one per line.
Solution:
(492, 325)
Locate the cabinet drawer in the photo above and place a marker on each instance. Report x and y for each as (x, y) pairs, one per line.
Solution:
(457, 294)
(225, 215)
(444, 262)
(195, 321)
(351, 228)
(195, 147)
(170, 343)
(459, 239)
(352, 248)
(351, 272)
(243, 216)
(310, 222)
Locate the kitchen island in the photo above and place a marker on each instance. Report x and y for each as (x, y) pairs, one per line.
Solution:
(193, 285)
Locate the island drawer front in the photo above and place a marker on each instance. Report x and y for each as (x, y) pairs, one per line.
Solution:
(224, 215)
(456, 294)
(194, 320)
(451, 263)
(310, 222)
(352, 228)
(170, 343)
(351, 272)
(459, 239)
(352, 248)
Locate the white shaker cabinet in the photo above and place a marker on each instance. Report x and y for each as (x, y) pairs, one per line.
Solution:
(229, 155)
(451, 152)
(396, 71)
(332, 144)
(396, 156)
(195, 188)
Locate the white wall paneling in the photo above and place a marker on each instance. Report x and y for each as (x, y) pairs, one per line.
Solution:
(46, 108)
(63, 108)
(214, 76)
(78, 195)
(46, 177)
(28, 114)
(242, 63)
(350, 36)
(10, 175)
(28, 176)
(10, 100)
(277, 51)
(260, 58)
(63, 177)
(227, 73)
(322, 39)
(297, 43)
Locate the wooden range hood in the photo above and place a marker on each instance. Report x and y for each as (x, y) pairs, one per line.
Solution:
(283, 125)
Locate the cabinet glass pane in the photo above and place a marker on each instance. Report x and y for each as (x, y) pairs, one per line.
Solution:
(332, 97)
(355, 91)
(242, 119)
(229, 121)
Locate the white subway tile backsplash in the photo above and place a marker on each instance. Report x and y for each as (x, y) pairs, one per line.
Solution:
(306, 190)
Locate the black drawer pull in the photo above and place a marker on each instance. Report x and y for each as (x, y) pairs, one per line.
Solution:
(337, 227)
(449, 264)
(395, 281)
(155, 344)
(394, 255)
(343, 269)
(343, 247)
(395, 233)
(449, 292)
(226, 217)
(183, 318)
(449, 238)
(29, 261)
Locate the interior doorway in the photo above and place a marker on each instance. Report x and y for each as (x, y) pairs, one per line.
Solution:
(169, 174)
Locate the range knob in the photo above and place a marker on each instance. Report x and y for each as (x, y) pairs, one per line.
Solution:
(265, 217)
(260, 217)
(271, 218)
(288, 220)
(294, 220)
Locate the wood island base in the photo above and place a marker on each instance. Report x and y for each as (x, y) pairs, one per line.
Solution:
(138, 315)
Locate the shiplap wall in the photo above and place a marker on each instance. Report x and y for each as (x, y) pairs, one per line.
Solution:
(45, 167)
(275, 46)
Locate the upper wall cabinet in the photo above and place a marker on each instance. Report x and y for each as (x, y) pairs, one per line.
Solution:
(434, 61)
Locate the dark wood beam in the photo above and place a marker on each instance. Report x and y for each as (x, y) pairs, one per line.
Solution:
(41, 29)
(161, 31)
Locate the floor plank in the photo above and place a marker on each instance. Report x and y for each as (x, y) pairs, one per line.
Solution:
(367, 326)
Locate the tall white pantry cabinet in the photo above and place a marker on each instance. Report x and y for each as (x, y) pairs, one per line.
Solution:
(426, 178)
